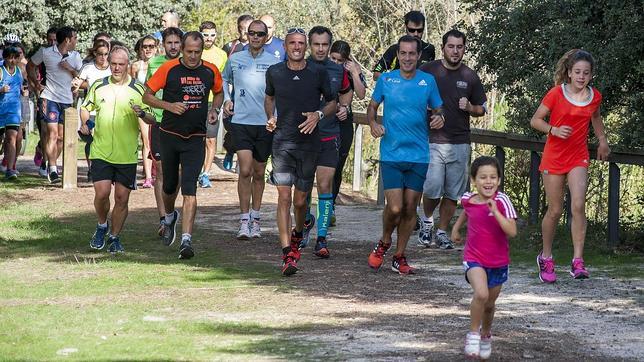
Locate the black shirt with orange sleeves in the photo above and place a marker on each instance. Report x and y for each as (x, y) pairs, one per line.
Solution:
(190, 86)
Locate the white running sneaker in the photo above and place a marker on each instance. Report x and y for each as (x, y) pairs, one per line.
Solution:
(485, 347)
(472, 344)
(43, 172)
(255, 230)
(244, 230)
(425, 234)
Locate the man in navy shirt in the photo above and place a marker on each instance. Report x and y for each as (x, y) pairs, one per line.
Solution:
(404, 147)
(294, 88)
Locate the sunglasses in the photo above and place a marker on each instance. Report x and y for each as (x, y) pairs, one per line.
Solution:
(258, 34)
(415, 30)
(102, 54)
(149, 46)
(295, 31)
(209, 35)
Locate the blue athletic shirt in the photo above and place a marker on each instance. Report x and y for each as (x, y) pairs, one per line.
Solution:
(406, 135)
(275, 48)
(10, 106)
(248, 78)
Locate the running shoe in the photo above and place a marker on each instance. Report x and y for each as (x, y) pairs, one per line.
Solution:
(98, 239)
(321, 248)
(578, 270)
(485, 347)
(244, 230)
(289, 264)
(425, 234)
(42, 172)
(400, 266)
(185, 250)
(308, 226)
(377, 255)
(147, 183)
(204, 181)
(444, 242)
(228, 161)
(255, 230)
(114, 245)
(38, 157)
(473, 345)
(53, 177)
(296, 245)
(546, 269)
(11, 175)
(170, 230)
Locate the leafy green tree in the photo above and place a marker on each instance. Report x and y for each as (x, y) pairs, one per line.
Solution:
(519, 43)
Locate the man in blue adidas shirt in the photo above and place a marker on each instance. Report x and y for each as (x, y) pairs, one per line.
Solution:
(404, 147)
(246, 72)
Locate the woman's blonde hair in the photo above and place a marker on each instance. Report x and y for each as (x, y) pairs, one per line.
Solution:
(565, 64)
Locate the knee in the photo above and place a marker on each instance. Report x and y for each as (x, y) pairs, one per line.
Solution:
(258, 176)
(299, 203)
(554, 212)
(284, 200)
(245, 172)
(481, 296)
(121, 200)
(395, 210)
(578, 208)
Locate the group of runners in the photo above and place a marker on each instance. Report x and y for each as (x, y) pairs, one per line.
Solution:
(278, 103)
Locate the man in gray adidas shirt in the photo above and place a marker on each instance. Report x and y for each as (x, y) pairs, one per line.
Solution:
(63, 64)
(246, 72)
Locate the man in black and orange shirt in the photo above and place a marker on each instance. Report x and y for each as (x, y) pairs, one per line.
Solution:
(187, 82)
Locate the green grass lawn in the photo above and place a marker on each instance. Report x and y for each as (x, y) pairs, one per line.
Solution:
(57, 297)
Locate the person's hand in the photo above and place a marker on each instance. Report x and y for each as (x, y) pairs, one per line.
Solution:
(5, 88)
(76, 82)
(271, 124)
(312, 119)
(436, 121)
(603, 150)
(491, 204)
(352, 67)
(228, 108)
(177, 108)
(342, 113)
(377, 130)
(66, 66)
(85, 130)
(456, 236)
(562, 132)
(464, 104)
(213, 117)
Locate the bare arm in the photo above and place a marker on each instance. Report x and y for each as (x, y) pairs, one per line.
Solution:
(598, 127)
(473, 110)
(509, 226)
(456, 233)
(343, 105)
(217, 100)
(269, 109)
(377, 130)
(154, 102)
(32, 77)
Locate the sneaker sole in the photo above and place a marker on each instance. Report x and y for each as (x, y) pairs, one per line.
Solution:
(256, 236)
(539, 273)
(401, 273)
(96, 248)
(243, 237)
(582, 276)
(186, 253)
(322, 256)
(290, 270)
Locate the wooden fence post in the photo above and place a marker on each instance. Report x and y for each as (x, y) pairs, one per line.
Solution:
(533, 202)
(613, 204)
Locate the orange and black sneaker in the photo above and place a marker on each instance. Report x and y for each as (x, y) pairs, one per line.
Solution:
(321, 248)
(400, 266)
(289, 264)
(296, 244)
(378, 255)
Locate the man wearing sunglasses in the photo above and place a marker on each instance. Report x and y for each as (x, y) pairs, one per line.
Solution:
(415, 26)
(218, 57)
(295, 87)
(245, 71)
(273, 45)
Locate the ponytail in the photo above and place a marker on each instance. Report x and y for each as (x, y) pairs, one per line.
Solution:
(565, 64)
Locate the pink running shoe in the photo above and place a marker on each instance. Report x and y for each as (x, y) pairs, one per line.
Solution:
(546, 269)
(38, 158)
(578, 270)
(147, 183)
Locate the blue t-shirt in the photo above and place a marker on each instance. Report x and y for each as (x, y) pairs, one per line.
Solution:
(406, 135)
(275, 48)
(247, 75)
(10, 106)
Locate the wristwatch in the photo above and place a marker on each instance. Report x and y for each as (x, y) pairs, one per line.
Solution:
(140, 114)
(320, 114)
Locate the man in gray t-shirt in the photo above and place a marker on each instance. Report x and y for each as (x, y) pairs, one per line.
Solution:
(449, 147)
(63, 64)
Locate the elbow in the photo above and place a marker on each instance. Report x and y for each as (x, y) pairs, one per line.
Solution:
(533, 123)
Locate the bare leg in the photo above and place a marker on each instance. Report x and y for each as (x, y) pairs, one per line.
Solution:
(392, 213)
(120, 211)
(284, 215)
(554, 186)
(189, 212)
(407, 219)
(102, 190)
(578, 184)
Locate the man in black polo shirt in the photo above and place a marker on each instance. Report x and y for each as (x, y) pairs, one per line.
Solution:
(415, 26)
(295, 87)
(187, 83)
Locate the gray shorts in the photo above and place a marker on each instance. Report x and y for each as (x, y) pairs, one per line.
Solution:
(448, 172)
(212, 129)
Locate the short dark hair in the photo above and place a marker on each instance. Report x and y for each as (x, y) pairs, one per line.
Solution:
(194, 35)
(454, 33)
(319, 29)
(484, 161)
(102, 34)
(415, 16)
(171, 31)
(410, 39)
(115, 42)
(243, 18)
(257, 21)
(10, 52)
(52, 30)
(64, 33)
(207, 25)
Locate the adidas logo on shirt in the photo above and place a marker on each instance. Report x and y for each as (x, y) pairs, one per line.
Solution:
(422, 82)
(296, 78)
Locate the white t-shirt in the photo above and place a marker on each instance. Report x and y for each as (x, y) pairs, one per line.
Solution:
(59, 81)
(91, 73)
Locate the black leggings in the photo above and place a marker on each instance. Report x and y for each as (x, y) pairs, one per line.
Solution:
(187, 153)
(346, 138)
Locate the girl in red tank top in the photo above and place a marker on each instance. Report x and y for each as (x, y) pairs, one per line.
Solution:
(569, 106)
